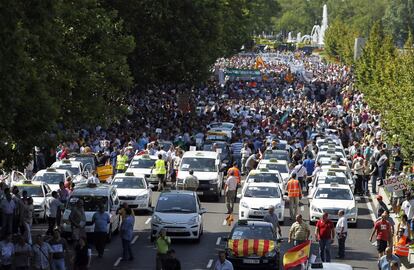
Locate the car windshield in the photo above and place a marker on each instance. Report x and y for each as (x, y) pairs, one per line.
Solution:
(264, 178)
(222, 125)
(32, 191)
(335, 179)
(50, 178)
(198, 164)
(129, 182)
(253, 232)
(333, 194)
(85, 160)
(209, 147)
(276, 155)
(281, 168)
(90, 203)
(176, 203)
(262, 192)
(142, 163)
(73, 170)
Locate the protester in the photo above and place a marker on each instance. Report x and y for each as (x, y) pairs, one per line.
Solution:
(325, 234)
(101, 220)
(7, 253)
(59, 248)
(28, 210)
(230, 188)
(160, 171)
(7, 209)
(222, 263)
(52, 207)
(82, 255)
(294, 194)
(271, 217)
(382, 229)
(162, 244)
(299, 232)
(22, 254)
(127, 229)
(77, 220)
(41, 254)
(191, 181)
(341, 233)
(384, 262)
(171, 263)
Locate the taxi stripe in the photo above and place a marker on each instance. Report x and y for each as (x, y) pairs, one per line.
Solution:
(265, 247)
(240, 247)
(251, 247)
(235, 243)
(245, 247)
(256, 246)
(260, 249)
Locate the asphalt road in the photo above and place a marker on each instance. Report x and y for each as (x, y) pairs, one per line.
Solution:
(359, 252)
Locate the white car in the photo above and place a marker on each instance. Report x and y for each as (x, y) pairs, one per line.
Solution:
(143, 165)
(264, 176)
(75, 167)
(331, 198)
(328, 177)
(178, 212)
(40, 192)
(280, 166)
(52, 177)
(134, 190)
(94, 195)
(257, 198)
(336, 142)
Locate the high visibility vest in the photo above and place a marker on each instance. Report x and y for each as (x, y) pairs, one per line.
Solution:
(121, 162)
(401, 249)
(293, 188)
(160, 167)
(236, 173)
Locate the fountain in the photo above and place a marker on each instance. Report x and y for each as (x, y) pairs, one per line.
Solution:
(317, 35)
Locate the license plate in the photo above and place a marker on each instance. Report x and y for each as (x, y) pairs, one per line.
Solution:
(259, 213)
(199, 193)
(175, 230)
(251, 261)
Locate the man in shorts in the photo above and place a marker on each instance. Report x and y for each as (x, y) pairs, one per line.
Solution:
(382, 229)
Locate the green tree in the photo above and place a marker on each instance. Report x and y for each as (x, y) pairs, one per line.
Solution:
(399, 19)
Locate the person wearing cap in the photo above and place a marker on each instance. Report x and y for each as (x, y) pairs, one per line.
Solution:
(382, 207)
(191, 182)
(230, 188)
(325, 234)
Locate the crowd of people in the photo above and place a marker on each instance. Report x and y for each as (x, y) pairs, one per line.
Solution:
(297, 96)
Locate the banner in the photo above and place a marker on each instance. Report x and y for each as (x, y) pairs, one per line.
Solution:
(234, 72)
(395, 184)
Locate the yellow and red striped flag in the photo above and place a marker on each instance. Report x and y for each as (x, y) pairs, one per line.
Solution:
(248, 247)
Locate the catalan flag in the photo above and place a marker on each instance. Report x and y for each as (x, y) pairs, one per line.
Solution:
(296, 255)
(248, 247)
(259, 62)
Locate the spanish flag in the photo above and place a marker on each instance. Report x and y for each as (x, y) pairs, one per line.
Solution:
(296, 255)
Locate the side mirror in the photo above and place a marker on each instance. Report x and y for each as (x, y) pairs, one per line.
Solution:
(202, 211)
(239, 196)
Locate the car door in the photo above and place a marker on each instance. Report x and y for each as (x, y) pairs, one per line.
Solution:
(114, 208)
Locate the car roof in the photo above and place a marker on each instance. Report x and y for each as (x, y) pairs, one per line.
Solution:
(177, 192)
(262, 171)
(251, 223)
(328, 173)
(90, 190)
(144, 157)
(262, 184)
(28, 183)
(46, 171)
(73, 163)
(128, 175)
(335, 186)
(201, 154)
(272, 160)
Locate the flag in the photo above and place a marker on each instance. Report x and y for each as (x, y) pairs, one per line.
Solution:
(229, 219)
(259, 62)
(296, 255)
(248, 247)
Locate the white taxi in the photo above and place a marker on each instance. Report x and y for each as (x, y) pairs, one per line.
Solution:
(264, 176)
(133, 190)
(52, 177)
(143, 165)
(257, 198)
(273, 164)
(331, 198)
(328, 177)
(75, 167)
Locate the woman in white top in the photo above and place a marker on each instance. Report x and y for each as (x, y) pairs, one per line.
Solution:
(404, 225)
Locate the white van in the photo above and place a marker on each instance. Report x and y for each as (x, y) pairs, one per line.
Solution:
(207, 168)
(94, 195)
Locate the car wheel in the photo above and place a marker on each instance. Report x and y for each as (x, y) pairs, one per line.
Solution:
(109, 235)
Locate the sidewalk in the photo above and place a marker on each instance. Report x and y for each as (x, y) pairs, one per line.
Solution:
(387, 201)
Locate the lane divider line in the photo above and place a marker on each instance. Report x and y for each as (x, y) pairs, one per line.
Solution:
(117, 261)
(218, 241)
(210, 263)
(371, 210)
(135, 239)
(147, 221)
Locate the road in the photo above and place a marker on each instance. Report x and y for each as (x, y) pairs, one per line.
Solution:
(359, 252)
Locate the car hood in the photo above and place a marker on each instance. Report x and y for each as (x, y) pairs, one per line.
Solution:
(139, 170)
(88, 215)
(38, 200)
(176, 218)
(131, 192)
(334, 204)
(199, 175)
(253, 202)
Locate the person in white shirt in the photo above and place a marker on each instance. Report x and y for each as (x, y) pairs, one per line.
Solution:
(230, 188)
(408, 206)
(222, 263)
(245, 154)
(93, 178)
(301, 173)
(341, 232)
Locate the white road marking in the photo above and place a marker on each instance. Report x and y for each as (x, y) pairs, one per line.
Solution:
(210, 263)
(371, 211)
(148, 221)
(135, 239)
(218, 241)
(117, 261)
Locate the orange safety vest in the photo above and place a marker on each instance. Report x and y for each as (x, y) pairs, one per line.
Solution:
(293, 188)
(401, 249)
(236, 172)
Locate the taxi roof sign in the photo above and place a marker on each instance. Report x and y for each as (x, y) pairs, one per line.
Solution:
(66, 161)
(129, 174)
(264, 169)
(331, 173)
(200, 154)
(273, 160)
(51, 169)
